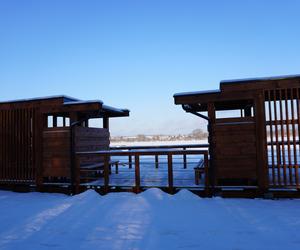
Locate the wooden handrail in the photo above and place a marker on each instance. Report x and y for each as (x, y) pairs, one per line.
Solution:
(137, 153)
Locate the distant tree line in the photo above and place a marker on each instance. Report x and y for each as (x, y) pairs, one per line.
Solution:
(197, 134)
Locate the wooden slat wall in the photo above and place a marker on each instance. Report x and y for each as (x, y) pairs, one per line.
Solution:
(16, 150)
(235, 149)
(91, 139)
(57, 151)
(283, 129)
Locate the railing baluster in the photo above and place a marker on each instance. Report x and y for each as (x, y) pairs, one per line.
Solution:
(106, 173)
(206, 170)
(184, 159)
(282, 136)
(294, 138)
(129, 160)
(137, 173)
(170, 172)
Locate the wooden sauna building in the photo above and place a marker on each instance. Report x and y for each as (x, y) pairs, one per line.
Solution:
(39, 138)
(254, 127)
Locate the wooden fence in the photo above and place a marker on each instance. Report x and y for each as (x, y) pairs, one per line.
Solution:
(17, 160)
(283, 128)
(136, 154)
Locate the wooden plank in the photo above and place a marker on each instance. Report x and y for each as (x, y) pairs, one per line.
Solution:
(260, 85)
(38, 131)
(170, 172)
(277, 139)
(235, 120)
(294, 140)
(271, 137)
(282, 136)
(288, 136)
(298, 116)
(106, 173)
(5, 143)
(212, 144)
(2, 143)
(156, 161)
(91, 132)
(137, 173)
(230, 128)
(226, 139)
(261, 143)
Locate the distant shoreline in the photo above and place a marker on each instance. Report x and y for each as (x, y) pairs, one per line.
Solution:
(156, 143)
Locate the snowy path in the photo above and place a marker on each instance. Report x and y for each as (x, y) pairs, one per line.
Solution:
(150, 220)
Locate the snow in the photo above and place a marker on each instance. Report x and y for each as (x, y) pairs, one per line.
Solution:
(150, 220)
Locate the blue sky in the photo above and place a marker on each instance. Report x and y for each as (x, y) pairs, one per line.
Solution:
(137, 54)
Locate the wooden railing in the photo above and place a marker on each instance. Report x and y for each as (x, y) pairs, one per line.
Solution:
(135, 155)
(176, 146)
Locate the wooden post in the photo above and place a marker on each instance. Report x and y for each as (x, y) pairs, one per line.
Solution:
(197, 176)
(137, 173)
(261, 143)
(76, 183)
(206, 169)
(170, 173)
(38, 135)
(106, 122)
(184, 159)
(212, 144)
(117, 167)
(130, 160)
(106, 174)
(156, 161)
(54, 121)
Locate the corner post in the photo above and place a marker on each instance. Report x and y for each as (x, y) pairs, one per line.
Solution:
(212, 144)
(261, 142)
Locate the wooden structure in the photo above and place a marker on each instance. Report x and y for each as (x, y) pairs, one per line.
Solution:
(254, 127)
(39, 137)
(136, 153)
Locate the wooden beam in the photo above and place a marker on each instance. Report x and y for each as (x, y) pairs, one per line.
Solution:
(261, 142)
(106, 122)
(212, 144)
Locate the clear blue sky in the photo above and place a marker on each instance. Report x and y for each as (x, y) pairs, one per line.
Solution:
(137, 54)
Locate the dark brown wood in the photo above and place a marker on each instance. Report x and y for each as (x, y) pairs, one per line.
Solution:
(278, 152)
(295, 163)
(106, 173)
(156, 161)
(170, 173)
(261, 143)
(137, 173)
(106, 122)
(282, 136)
(288, 136)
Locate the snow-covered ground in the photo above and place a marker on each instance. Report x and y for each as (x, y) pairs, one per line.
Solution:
(150, 220)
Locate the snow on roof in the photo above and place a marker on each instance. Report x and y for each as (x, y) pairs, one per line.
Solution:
(216, 91)
(109, 108)
(272, 78)
(83, 102)
(66, 99)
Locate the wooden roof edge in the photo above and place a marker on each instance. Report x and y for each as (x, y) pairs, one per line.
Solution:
(189, 97)
(257, 83)
(64, 99)
(258, 79)
(115, 112)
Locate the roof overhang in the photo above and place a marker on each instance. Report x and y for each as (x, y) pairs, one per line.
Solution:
(234, 94)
